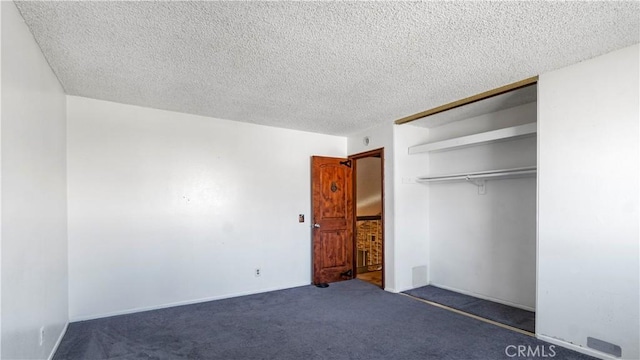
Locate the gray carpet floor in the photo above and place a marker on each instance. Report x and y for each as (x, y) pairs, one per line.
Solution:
(348, 320)
(509, 315)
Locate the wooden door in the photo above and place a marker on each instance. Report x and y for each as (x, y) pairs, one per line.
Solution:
(331, 182)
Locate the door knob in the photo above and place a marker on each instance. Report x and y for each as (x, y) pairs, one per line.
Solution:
(316, 225)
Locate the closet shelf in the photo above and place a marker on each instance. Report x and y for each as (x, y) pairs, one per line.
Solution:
(510, 133)
(486, 175)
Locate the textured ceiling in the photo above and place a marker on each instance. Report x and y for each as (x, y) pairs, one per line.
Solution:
(330, 67)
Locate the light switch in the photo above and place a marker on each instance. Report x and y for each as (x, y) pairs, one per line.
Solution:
(301, 218)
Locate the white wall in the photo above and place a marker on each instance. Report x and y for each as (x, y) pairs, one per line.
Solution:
(485, 245)
(368, 187)
(168, 208)
(405, 210)
(34, 233)
(1, 180)
(411, 209)
(588, 232)
(382, 137)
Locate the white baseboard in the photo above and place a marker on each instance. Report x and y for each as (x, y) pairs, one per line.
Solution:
(57, 344)
(480, 296)
(577, 348)
(179, 303)
(402, 289)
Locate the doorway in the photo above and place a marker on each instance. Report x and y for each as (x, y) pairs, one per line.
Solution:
(368, 239)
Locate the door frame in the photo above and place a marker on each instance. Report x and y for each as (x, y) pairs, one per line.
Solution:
(354, 159)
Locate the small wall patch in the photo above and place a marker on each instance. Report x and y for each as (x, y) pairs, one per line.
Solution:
(605, 347)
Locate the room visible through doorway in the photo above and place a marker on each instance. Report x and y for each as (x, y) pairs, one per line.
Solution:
(369, 225)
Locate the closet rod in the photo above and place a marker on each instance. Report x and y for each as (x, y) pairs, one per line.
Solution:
(504, 174)
(469, 100)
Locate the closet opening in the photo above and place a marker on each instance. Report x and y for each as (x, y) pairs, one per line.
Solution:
(368, 239)
(482, 179)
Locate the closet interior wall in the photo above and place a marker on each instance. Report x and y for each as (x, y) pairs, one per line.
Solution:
(484, 244)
